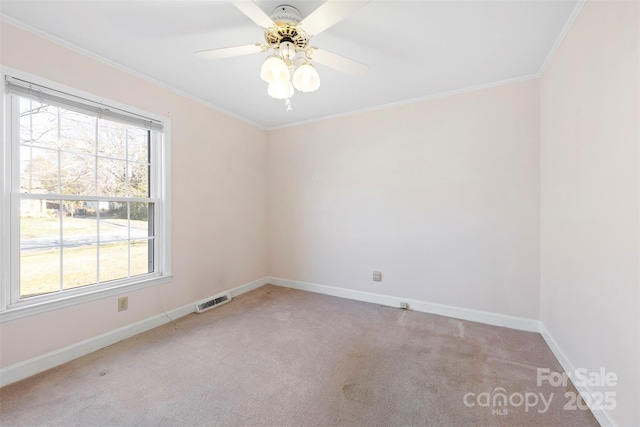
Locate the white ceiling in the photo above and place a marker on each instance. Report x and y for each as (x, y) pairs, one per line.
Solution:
(415, 49)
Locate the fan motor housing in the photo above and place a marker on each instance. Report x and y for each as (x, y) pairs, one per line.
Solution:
(287, 15)
(286, 29)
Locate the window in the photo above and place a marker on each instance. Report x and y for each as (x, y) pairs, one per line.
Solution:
(88, 196)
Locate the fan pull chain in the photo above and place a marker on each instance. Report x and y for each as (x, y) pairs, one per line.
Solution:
(287, 102)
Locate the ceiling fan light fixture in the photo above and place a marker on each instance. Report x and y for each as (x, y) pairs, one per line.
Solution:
(306, 78)
(274, 70)
(287, 35)
(280, 90)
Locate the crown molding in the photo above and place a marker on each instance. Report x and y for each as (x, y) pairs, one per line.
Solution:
(567, 26)
(410, 101)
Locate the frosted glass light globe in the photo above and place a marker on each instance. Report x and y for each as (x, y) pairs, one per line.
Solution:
(274, 70)
(306, 78)
(280, 90)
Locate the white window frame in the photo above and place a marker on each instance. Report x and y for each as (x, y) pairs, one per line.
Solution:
(10, 205)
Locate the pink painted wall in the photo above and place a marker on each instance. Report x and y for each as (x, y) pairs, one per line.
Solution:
(440, 196)
(590, 200)
(219, 199)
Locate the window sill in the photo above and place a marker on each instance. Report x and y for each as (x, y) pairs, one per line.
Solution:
(25, 309)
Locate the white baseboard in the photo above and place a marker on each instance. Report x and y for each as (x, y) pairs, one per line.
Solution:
(38, 364)
(243, 289)
(496, 319)
(603, 417)
(50, 360)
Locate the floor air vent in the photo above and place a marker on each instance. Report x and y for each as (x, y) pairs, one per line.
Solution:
(209, 303)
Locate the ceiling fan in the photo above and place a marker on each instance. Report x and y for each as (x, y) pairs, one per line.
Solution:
(288, 36)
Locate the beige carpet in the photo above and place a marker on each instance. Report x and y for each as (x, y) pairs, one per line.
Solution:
(281, 357)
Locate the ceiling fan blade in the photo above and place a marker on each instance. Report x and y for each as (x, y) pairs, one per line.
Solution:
(339, 62)
(254, 13)
(328, 14)
(229, 52)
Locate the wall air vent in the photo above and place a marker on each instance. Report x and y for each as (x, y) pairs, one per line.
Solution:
(209, 303)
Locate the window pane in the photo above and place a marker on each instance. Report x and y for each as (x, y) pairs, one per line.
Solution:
(138, 144)
(140, 225)
(141, 257)
(77, 229)
(39, 271)
(26, 185)
(39, 223)
(84, 209)
(39, 251)
(38, 123)
(114, 261)
(77, 174)
(79, 265)
(25, 121)
(111, 139)
(113, 221)
(77, 131)
(111, 177)
(138, 180)
(40, 172)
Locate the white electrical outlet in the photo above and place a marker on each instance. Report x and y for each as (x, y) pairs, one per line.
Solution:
(123, 303)
(377, 276)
